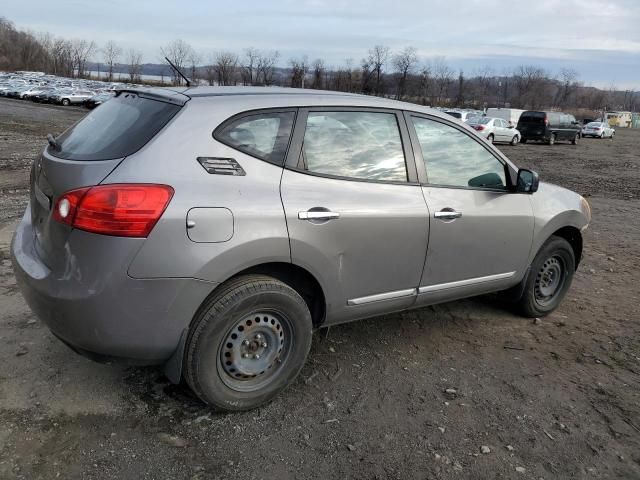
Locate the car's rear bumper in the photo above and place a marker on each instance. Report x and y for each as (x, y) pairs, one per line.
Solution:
(100, 311)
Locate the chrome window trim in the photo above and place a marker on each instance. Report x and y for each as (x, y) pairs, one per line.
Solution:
(409, 292)
(464, 283)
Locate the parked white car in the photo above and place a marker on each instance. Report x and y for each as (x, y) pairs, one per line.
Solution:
(598, 130)
(495, 130)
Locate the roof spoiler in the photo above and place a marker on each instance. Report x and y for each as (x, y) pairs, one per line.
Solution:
(159, 94)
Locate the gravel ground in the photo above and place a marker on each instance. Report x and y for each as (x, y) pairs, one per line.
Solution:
(460, 390)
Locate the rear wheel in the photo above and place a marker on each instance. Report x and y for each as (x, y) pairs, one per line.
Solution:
(549, 278)
(552, 139)
(490, 138)
(248, 342)
(66, 102)
(602, 135)
(514, 141)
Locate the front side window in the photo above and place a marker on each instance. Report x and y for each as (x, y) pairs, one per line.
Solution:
(359, 145)
(453, 158)
(263, 135)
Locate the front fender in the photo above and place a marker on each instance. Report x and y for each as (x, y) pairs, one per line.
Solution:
(555, 208)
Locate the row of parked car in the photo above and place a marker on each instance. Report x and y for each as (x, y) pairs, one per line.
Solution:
(42, 88)
(515, 126)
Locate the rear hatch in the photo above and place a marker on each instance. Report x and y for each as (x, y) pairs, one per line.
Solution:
(86, 153)
(533, 123)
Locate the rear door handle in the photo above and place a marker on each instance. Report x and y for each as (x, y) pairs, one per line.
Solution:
(318, 215)
(447, 214)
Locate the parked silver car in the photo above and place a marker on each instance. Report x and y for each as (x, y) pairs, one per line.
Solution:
(73, 97)
(496, 130)
(598, 130)
(212, 229)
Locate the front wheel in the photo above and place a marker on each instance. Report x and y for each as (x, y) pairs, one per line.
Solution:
(247, 343)
(575, 139)
(548, 279)
(66, 102)
(552, 139)
(514, 141)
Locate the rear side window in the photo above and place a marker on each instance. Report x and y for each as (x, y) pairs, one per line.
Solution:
(359, 145)
(263, 135)
(118, 128)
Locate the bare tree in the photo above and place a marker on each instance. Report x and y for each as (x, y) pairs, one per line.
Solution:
(225, 68)
(81, 50)
(178, 52)
(460, 97)
(376, 61)
(404, 63)
(442, 76)
(134, 63)
(426, 82)
(194, 59)
(319, 71)
(299, 68)
(265, 68)
(110, 53)
(531, 87)
(568, 87)
(250, 66)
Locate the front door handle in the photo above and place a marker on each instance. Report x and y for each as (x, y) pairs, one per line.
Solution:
(318, 215)
(447, 214)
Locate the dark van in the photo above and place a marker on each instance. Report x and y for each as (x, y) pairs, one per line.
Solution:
(548, 127)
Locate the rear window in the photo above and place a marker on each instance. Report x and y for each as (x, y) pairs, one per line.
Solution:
(117, 129)
(533, 117)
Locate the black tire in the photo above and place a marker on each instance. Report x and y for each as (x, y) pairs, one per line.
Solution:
(612, 135)
(552, 139)
(575, 139)
(66, 102)
(226, 364)
(514, 141)
(539, 297)
(491, 138)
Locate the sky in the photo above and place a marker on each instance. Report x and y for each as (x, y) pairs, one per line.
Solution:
(600, 39)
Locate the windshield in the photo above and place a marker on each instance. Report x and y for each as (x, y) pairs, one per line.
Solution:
(118, 128)
(594, 124)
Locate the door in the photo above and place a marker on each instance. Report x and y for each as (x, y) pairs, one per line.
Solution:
(480, 232)
(505, 133)
(356, 215)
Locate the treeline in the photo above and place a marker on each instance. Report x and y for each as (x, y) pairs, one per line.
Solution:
(401, 75)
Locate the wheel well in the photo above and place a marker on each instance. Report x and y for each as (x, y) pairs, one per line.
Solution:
(300, 280)
(574, 237)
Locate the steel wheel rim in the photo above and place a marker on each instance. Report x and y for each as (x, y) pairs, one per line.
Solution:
(254, 350)
(549, 280)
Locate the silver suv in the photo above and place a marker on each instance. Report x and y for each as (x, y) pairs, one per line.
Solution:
(212, 229)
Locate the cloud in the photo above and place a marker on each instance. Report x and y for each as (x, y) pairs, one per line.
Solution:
(544, 31)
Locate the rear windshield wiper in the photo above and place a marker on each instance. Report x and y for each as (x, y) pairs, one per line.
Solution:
(52, 141)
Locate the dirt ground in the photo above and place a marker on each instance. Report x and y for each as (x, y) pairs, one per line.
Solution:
(558, 398)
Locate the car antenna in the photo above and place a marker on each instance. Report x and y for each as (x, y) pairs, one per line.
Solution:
(179, 72)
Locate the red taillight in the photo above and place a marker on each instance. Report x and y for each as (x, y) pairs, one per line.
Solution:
(546, 121)
(479, 127)
(123, 210)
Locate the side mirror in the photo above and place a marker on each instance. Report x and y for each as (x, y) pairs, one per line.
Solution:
(527, 181)
(510, 126)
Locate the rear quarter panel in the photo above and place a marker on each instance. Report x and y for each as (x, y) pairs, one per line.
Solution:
(259, 226)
